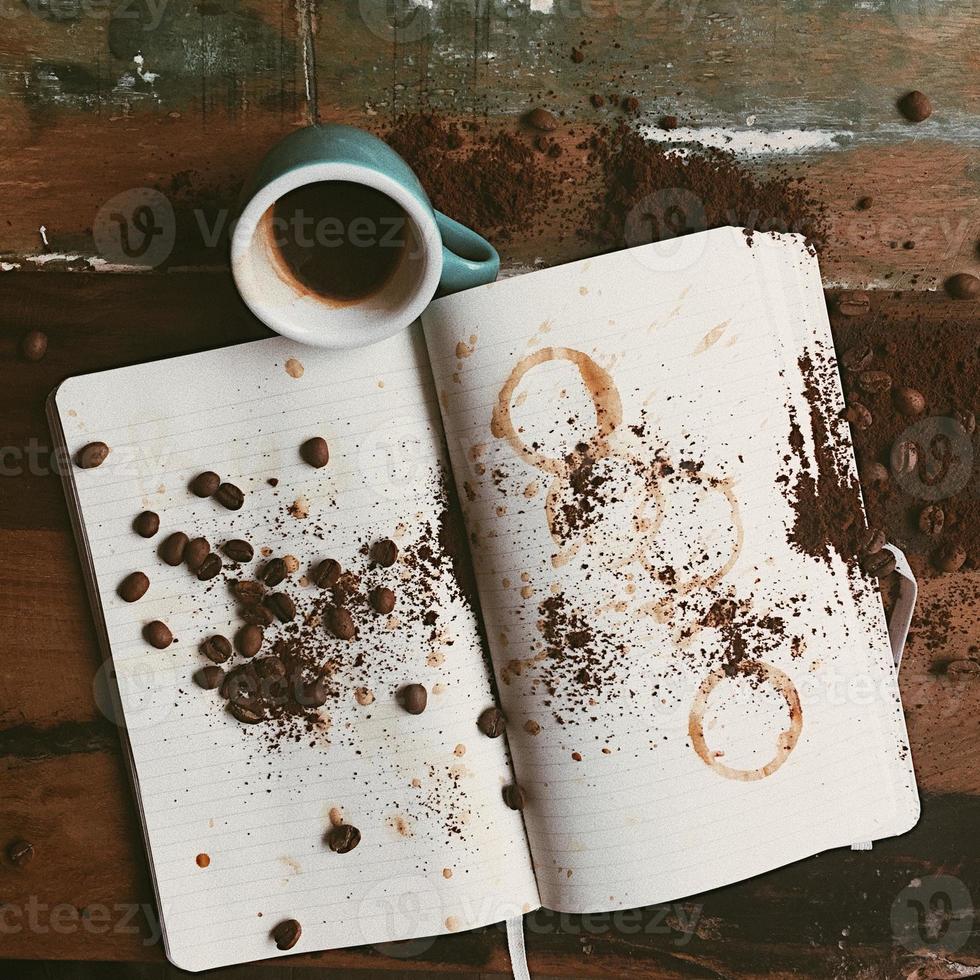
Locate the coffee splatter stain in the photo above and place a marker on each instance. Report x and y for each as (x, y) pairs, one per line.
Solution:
(711, 337)
(294, 368)
(452, 923)
(202, 860)
(400, 824)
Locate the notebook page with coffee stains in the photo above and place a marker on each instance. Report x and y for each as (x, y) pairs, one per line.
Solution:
(239, 816)
(698, 687)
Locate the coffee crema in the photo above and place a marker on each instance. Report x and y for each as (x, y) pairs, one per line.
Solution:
(337, 239)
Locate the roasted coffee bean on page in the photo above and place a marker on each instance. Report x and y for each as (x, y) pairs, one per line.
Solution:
(248, 640)
(247, 714)
(196, 551)
(340, 622)
(172, 548)
(492, 722)
(315, 452)
(857, 358)
(92, 455)
(327, 573)
(281, 605)
(879, 563)
(248, 592)
(229, 496)
(205, 484)
(915, 106)
(133, 586)
(343, 838)
(20, 853)
(414, 698)
(273, 572)
(216, 648)
(949, 557)
(287, 933)
(909, 401)
(871, 541)
(146, 523)
(210, 677)
(157, 634)
(270, 668)
(382, 600)
(34, 345)
(241, 683)
(315, 694)
(963, 286)
(931, 520)
(210, 567)
(384, 552)
(514, 796)
(257, 615)
(542, 120)
(238, 550)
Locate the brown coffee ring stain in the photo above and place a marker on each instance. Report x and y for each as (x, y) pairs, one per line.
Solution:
(785, 743)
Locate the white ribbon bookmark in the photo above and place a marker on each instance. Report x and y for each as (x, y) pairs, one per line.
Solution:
(515, 946)
(898, 625)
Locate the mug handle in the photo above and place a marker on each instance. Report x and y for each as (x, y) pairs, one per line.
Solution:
(468, 259)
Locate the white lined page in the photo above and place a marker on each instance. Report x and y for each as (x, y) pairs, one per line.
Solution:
(439, 851)
(691, 350)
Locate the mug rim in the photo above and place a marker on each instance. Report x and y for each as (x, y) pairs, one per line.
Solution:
(323, 334)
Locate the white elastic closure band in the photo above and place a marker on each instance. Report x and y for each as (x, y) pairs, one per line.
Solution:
(515, 947)
(898, 625)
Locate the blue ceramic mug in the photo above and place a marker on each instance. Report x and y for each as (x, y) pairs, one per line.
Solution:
(436, 252)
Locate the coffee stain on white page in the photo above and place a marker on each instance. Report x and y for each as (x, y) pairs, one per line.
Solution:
(711, 337)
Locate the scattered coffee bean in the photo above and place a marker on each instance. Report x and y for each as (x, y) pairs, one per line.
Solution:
(949, 557)
(597, 101)
(196, 551)
(92, 455)
(630, 104)
(327, 573)
(577, 56)
(238, 550)
(931, 519)
(287, 933)
(514, 796)
(20, 853)
(492, 722)
(340, 622)
(414, 698)
(146, 523)
(384, 552)
(216, 648)
(249, 640)
(315, 452)
(270, 668)
(133, 586)
(343, 838)
(963, 286)
(210, 677)
(158, 634)
(210, 567)
(281, 605)
(205, 484)
(966, 420)
(915, 106)
(34, 345)
(874, 474)
(668, 123)
(875, 382)
(909, 401)
(228, 495)
(542, 120)
(859, 416)
(878, 563)
(273, 572)
(857, 358)
(382, 600)
(853, 304)
(245, 713)
(315, 693)
(864, 203)
(248, 592)
(241, 684)
(258, 615)
(172, 548)
(871, 541)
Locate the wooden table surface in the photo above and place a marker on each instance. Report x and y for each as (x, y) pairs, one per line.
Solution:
(184, 97)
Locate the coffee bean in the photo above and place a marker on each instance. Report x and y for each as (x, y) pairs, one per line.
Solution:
(249, 640)
(384, 552)
(287, 933)
(92, 455)
(853, 304)
(905, 456)
(874, 382)
(273, 572)
(630, 104)
(172, 548)
(963, 286)
(873, 474)
(133, 586)
(210, 567)
(340, 622)
(281, 605)
(966, 420)
(327, 573)
(864, 203)
(314, 694)
(343, 838)
(20, 853)
(257, 615)
(915, 106)
(216, 648)
(158, 634)
(241, 683)
(205, 484)
(949, 557)
(857, 358)
(542, 120)
(668, 123)
(931, 519)
(34, 345)
(514, 796)
(228, 495)
(210, 677)
(878, 564)
(238, 550)
(909, 401)
(414, 698)
(146, 524)
(247, 714)
(196, 551)
(859, 416)
(248, 592)
(270, 668)
(492, 722)
(871, 541)
(382, 600)
(315, 452)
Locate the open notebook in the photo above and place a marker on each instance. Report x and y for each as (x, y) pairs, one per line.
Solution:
(691, 697)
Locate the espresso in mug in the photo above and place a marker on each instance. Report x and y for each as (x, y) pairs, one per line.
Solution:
(338, 239)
